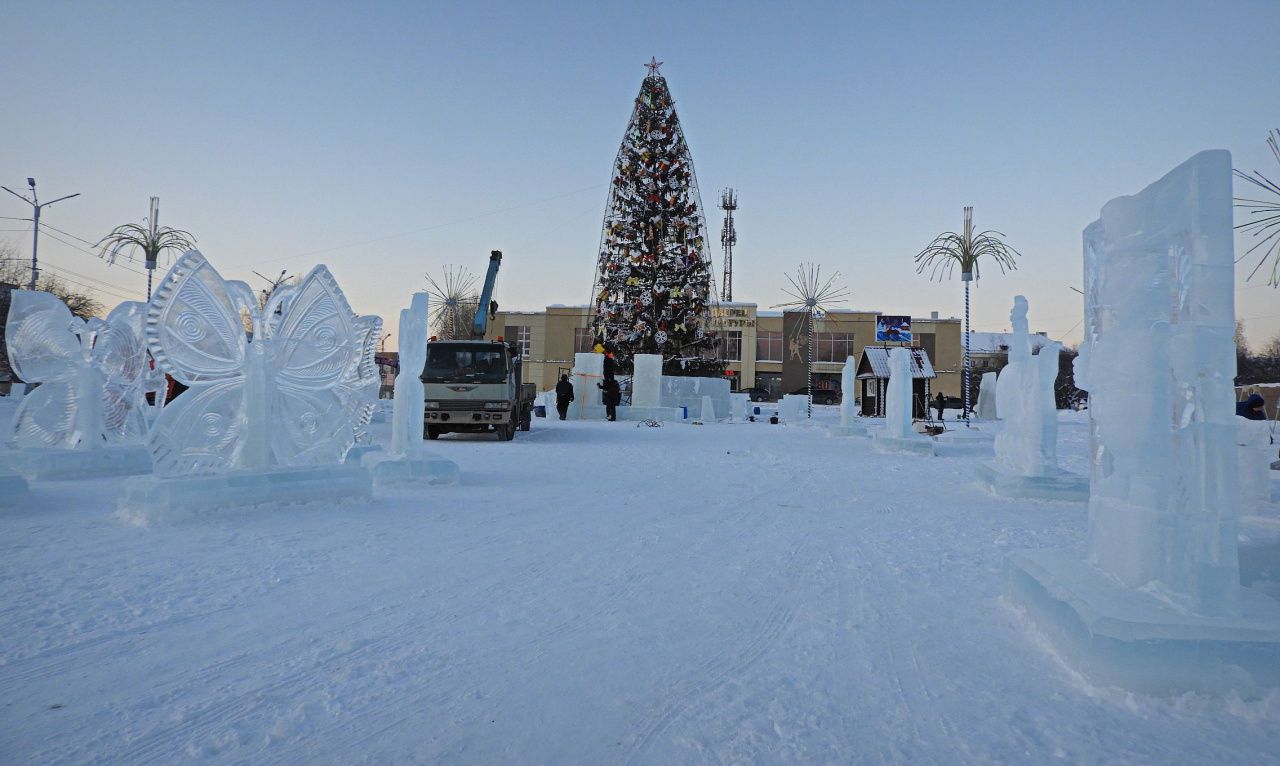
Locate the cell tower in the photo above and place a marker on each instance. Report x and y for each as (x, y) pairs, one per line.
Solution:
(728, 238)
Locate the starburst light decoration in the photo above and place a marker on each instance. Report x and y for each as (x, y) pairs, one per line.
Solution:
(454, 303)
(1264, 216)
(816, 297)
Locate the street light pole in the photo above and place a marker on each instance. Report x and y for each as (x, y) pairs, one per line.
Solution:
(36, 207)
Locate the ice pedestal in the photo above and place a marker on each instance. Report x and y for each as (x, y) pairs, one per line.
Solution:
(666, 414)
(13, 488)
(60, 464)
(418, 466)
(740, 404)
(962, 441)
(708, 411)
(149, 499)
(1053, 486)
(1130, 638)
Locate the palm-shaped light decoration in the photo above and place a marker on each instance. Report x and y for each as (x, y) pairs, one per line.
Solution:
(815, 296)
(1264, 215)
(151, 239)
(454, 302)
(949, 250)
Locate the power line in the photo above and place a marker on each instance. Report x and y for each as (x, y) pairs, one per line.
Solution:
(87, 242)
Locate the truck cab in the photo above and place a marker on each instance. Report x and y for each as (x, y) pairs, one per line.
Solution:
(475, 386)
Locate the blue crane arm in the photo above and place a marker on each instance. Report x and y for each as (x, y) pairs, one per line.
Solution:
(482, 311)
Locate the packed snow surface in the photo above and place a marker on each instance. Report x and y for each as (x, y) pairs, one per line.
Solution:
(589, 593)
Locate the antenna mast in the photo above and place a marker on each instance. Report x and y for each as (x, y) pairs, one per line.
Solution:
(728, 238)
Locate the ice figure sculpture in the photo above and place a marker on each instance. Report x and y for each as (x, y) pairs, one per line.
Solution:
(987, 408)
(407, 416)
(274, 400)
(898, 434)
(87, 413)
(1157, 603)
(1026, 451)
(407, 460)
(1028, 446)
(848, 404)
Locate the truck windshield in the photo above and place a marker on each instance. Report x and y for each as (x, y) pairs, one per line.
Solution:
(447, 363)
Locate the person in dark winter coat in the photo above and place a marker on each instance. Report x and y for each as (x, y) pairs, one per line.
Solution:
(564, 395)
(1251, 408)
(940, 404)
(612, 397)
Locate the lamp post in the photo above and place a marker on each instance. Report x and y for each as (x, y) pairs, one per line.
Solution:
(36, 207)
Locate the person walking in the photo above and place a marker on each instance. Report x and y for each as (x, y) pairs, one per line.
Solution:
(612, 397)
(564, 395)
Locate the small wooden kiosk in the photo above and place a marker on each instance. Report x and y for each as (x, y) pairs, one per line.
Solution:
(873, 380)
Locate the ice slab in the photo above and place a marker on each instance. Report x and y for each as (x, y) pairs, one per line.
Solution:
(1255, 452)
(986, 407)
(848, 384)
(740, 404)
(708, 410)
(1059, 486)
(152, 499)
(666, 414)
(793, 408)
(678, 391)
(1130, 638)
(417, 467)
(13, 488)
(1260, 554)
(646, 380)
(588, 374)
(63, 464)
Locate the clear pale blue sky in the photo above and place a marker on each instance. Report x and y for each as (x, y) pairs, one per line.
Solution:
(390, 139)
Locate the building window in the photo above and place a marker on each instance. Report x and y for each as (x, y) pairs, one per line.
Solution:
(768, 346)
(832, 346)
(583, 340)
(522, 334)
(733, 345)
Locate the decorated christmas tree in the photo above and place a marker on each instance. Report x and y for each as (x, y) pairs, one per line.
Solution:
(653, 281)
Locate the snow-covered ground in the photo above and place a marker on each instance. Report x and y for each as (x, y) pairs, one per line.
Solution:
(590, 593)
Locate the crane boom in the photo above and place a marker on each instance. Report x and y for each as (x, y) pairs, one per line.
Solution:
(483, 311)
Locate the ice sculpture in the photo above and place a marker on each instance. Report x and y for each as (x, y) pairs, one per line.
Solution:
(275, 400)
(987, 408)
(88, 409)
(1026, 451)
(359, 390)
(646, 381)
(1157, 604)
(898, 435)
(849, 425)
(261, 402)
(408, 460)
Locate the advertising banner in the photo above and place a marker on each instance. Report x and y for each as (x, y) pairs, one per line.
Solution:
(893, 329)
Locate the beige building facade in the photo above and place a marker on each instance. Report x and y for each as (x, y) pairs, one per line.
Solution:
(756, 349)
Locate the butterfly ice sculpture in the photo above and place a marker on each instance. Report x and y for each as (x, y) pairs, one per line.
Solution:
(250, 403)
(359, 391)
(90, 374)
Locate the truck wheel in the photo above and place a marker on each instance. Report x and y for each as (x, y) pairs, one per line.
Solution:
(507, 433)
(526, 424)
(431, 433)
